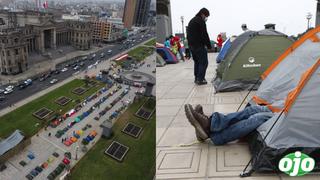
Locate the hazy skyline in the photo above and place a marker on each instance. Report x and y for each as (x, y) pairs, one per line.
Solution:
(228, 16)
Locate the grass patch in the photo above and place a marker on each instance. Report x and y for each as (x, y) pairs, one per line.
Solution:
(22, 117)
(139, 162)
(141, 52)
(152, 42)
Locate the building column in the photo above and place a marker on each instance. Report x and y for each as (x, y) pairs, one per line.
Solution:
(41, 44)
(54, 42)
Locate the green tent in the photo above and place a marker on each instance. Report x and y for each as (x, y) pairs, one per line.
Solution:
(250, 54)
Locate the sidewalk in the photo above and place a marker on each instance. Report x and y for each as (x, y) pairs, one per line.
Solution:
(175, 88)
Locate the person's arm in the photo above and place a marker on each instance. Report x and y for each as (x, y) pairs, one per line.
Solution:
(205, 36)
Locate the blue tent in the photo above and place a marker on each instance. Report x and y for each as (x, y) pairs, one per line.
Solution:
(224, 51)
(167, 55)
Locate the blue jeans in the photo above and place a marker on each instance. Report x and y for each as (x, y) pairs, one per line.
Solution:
(227, 128)
(200, 58)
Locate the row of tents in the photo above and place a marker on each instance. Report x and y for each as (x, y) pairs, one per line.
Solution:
(289, 87)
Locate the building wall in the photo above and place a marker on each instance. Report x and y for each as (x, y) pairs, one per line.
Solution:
(164, 25)
(129, 13)
(13, 53)
(142, 12)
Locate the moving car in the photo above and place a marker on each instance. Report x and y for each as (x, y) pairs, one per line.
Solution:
(93, 56)
(1, 91)
(53, 81)
(76, 68)
(9, 87)
(28, 82)
(109, 52)
(84, 58)
(102, 55)
(8, 91)
(64, 70)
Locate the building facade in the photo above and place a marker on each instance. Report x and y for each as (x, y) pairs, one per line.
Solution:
(37, 32)
(136, 13)
(107, 30)
(164, 25)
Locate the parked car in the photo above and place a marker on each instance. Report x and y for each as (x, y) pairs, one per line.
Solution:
(53, 81)
(64, 70)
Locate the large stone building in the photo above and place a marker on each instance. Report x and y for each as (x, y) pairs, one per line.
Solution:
(37, 32)
(136, 13)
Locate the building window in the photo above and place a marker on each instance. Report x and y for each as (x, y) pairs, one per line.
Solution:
(9, 62)
(8, 53)
(16, 51)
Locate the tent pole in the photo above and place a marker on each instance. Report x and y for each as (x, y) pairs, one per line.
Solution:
(247, 174)
(248, 94)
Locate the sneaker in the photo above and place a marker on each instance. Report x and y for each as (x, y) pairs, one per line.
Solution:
(200, 132)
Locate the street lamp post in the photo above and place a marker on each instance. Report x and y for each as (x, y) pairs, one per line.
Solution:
(182, 20)
(309, 16)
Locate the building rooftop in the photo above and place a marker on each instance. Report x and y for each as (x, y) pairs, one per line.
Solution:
(178, 156)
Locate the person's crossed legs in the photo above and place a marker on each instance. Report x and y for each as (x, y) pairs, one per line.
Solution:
(226, 128)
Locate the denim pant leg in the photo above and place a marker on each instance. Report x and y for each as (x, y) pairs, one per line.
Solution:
(240, 129)
(220, 121)
(203, 63)
(195, 56)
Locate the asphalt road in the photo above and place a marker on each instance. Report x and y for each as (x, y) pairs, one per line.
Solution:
(18, 95)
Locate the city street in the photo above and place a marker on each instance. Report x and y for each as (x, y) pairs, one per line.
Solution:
(17, 95)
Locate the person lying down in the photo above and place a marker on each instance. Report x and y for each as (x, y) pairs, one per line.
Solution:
(222, 129)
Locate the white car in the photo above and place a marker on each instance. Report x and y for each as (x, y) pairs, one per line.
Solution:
(93, 56)
(101, 55)
(9, 87)
(2, 90)
(53, 81)
(8, 91)
(64, 70)
(109, 51)
(90, 66)
(76, 68)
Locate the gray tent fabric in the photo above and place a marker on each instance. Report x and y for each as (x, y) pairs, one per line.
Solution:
(160, 61)
(299, 127)
(286, 75)
(14, 139)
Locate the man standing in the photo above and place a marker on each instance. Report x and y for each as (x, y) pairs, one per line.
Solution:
(198, 39)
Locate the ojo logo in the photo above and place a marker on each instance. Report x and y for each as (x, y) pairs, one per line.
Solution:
(296, 164)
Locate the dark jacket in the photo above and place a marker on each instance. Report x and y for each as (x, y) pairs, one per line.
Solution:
(197, 34)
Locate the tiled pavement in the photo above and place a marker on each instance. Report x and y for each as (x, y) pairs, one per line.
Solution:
(178, 157)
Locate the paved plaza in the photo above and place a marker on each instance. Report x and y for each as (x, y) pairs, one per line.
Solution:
(178, 154)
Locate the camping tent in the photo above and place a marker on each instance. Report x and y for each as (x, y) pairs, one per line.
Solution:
(160, 61)
(167, 55)
(296, 129)
(284, 74)
(250, 54)
(223, 51)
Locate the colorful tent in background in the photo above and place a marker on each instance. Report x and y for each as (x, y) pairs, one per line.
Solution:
(223, 52)
(167, 55)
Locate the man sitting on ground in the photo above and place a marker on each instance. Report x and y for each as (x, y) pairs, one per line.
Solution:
(221, 128)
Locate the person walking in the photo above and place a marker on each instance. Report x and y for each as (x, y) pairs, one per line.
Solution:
(198, 40)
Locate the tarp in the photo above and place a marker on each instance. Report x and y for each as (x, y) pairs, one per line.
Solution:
(167, 55)
(14, 139)
(249, 55)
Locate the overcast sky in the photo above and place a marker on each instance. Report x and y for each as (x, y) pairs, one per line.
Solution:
(228, 15)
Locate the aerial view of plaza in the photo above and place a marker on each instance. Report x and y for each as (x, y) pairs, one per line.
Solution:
(77, 89)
